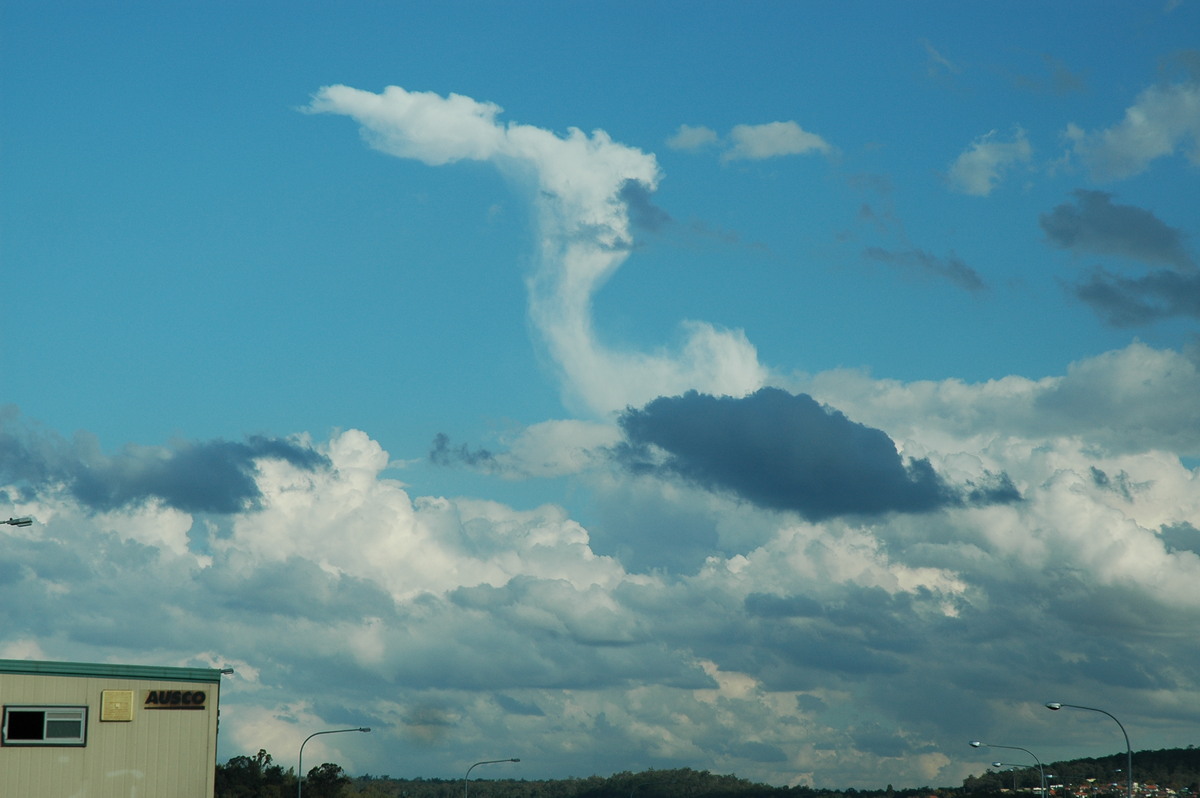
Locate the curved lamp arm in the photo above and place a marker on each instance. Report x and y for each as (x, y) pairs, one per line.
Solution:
(300, 760)
(977, 744)
(1055, 705)
(477, 764)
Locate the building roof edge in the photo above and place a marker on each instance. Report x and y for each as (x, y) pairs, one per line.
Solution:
(113, 671)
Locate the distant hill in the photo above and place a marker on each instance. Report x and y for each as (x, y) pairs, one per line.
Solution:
(1156, 773)
(1159, 774)
(1175, 769)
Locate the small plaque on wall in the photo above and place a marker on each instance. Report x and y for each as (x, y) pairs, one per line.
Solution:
(116, 705)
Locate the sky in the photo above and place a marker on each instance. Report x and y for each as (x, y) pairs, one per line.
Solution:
(797, 390)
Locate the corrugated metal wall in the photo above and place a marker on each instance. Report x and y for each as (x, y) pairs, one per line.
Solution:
(165, 753)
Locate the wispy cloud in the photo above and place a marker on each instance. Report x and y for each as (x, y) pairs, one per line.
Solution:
(1058, 80)
(690, 137)
(951, 268)
(1132, 301)
(936, 63)
(1096, 225)
(752, 142)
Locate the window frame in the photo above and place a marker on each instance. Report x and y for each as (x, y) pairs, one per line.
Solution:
(78, 713)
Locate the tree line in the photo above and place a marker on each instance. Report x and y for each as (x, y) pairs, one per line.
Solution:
(1174, 770)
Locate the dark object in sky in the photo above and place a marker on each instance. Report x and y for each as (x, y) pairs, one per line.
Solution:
(786, 452)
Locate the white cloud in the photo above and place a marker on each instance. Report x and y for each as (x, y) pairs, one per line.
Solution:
(978, 170)
(1136, 399)
(585, 236)
(772, 140)
(472, 618)
(752, 142)
(1164, 120)
(693, 138)
(555, 448)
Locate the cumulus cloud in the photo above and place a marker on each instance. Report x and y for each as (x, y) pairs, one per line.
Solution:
(978, 170)
(1128, 401)
(785, 452)
(951, 268)
(1163, 121)
(772, 140)
(443, 624)
(589, 191)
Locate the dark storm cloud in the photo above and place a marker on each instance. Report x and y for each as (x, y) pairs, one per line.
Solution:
(1131, 301)
(951, 268)
(1094, 224)
(786, 452)
(212, 476)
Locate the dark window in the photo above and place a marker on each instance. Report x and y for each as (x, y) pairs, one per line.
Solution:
(45, 726)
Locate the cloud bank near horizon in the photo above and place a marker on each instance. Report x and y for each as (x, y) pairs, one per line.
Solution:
(474, 618)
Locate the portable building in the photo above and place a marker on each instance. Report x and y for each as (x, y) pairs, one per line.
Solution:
(87, 730)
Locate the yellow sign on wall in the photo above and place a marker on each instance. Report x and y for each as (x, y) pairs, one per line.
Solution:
(116, 705)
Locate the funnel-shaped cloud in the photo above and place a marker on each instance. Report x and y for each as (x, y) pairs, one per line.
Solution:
(582, 186)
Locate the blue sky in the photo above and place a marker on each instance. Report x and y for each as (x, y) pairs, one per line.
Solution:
(791, 389)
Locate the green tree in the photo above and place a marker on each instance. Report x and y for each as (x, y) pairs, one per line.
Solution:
(325, 781)
(253, 777)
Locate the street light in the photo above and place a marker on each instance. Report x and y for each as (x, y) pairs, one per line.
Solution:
(1055, 705)
(977, 744)
(1013, 767)
(22, 521)
(477, 764)
(300, 762)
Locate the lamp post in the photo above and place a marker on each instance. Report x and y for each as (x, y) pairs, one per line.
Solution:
(22, 521)
(1055, 705)
(477, 764)
(977, 744)
(300, 761)
(1012, 767)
